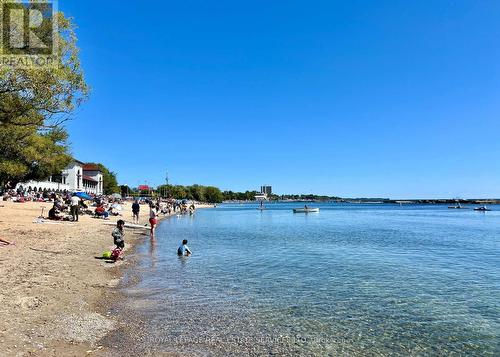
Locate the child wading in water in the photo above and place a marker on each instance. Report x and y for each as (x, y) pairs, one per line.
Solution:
(118, 235)
(184, 249)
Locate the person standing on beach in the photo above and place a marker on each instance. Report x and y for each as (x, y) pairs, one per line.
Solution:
(118, 234)
(135, 211)
(75, 202)
(118, 238)
(153, 214)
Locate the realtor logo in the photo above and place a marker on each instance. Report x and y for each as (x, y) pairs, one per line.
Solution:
(28, 33)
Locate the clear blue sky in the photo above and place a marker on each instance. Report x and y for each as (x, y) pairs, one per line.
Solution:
(353, 98)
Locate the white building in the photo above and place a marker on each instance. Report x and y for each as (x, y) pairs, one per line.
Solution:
(78, 176)
(92, 179)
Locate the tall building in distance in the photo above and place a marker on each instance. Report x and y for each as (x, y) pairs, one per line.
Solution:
(267, 190)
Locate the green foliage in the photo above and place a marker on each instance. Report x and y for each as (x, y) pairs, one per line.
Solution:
(26, 154)
(109, 182)
(174, 191)
(44, 96)
(239, 196)
(195, 192)
(213, 195)
(34, 102)
(250, 196)
(125, 190)
(304, 197)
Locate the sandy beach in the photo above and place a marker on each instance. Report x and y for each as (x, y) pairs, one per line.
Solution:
(53, 291)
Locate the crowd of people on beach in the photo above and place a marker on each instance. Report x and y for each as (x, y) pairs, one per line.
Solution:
(68, 206)
(30, 195)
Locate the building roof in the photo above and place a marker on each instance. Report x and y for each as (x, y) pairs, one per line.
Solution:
(88, 178)
(91, 167)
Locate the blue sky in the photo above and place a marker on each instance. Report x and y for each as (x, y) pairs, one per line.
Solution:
(352, 98)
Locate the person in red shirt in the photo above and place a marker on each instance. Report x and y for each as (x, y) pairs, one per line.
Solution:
(100, 211)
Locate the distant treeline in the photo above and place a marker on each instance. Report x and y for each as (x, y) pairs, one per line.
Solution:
(198, 193)
(239, 196)
(213, 194)
(303, 197)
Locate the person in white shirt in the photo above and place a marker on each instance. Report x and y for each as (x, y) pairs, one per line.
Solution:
(75, 202)
(153, 213)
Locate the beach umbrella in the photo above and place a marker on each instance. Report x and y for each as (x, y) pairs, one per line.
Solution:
(116, 195)
(84, 196)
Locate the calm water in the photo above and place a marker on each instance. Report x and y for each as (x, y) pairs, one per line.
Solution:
(350, 280)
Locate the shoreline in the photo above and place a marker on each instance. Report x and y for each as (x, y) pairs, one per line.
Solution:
(228, 302)
(55, 295)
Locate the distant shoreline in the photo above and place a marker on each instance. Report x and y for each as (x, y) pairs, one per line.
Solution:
(490, 201)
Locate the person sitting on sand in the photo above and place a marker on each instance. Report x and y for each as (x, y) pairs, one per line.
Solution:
(54, 214)
(100, 211)
(118, 234)
(183, 249)
(58, 204)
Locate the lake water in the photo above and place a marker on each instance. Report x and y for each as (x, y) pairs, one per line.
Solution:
(353, 280)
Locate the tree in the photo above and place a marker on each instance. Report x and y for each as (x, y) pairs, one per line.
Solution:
(26, 154)
(228, 195)
(109, 182)
(213, 194)
(197, 192)
(178, 192)
(34, 102)
(125, 190)
(43, 97)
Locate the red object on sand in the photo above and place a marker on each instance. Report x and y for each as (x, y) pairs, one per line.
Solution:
(115, 254)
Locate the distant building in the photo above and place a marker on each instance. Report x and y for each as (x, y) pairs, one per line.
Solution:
(77, 176)
(267, 190)
(265, 193)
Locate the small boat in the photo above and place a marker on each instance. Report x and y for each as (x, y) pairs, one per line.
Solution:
(482, 209)
(458, 206)
(305, 210)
